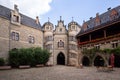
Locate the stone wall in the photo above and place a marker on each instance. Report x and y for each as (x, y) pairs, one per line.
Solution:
(6, 43)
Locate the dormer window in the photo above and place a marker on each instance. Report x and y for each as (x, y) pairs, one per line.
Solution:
(113, 14)
(97, 20)
(15, 16)
(85, 26)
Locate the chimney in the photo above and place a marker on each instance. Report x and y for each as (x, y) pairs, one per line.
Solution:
(83, 21)
(16, 8)
(91, 18)
(97, 14)
(109, 8)
(37, 20)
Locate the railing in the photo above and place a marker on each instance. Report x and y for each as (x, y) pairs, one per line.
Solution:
(109, 38)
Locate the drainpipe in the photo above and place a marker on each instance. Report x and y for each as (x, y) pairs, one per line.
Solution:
(9, 27)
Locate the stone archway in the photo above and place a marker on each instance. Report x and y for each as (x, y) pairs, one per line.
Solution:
(85, 61)
(99, 61)
(61, 59)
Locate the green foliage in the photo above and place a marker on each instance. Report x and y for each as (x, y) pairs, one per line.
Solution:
(14, 57)
(90, 52)
(41, 56)
(28, 56)
(107, 51)
(116, 51)
(45, 57)
(2, 61)
(38, 55)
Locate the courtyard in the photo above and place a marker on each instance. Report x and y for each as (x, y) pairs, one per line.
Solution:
(59, 73)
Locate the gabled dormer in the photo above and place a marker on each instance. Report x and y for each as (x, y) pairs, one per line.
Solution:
(60, 28)
(85, 26)
(97, 20)
(15, 16)
(61, 23)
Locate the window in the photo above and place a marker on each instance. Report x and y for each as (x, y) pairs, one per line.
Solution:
(73, 27)
(49, 38)
(47, 27)
(72, 55)
(114, 45)
(97, 21)
(15, 18)
(49, 46)
(113, 14)
(72, 47)
(31, 39)
(15, 36)
(60, 29)
(97, 47)
(60, 43)
(72, 38)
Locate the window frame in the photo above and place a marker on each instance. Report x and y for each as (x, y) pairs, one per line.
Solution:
(15, 36)
(31, 39)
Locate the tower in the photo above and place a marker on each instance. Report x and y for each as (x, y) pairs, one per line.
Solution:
(73, 29)
(60, 43)
(48, 39)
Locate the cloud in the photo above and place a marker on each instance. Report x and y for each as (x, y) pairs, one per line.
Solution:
(31, 8)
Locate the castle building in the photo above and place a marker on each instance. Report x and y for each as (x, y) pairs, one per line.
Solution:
(20, 31)
(101, 32)
(68, 44)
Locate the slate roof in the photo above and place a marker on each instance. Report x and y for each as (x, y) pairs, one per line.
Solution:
(25, 20)
(104, 18)
(5, 12)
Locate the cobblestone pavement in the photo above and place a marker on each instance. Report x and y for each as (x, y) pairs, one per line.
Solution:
(59, 73)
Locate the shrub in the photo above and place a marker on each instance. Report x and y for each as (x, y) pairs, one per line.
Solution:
(14, 57)
(46, 56)
(28, 56)
(41, 56)
(38, 56)
(2, 62)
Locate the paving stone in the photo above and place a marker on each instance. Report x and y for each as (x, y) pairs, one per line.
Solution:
(59, 73)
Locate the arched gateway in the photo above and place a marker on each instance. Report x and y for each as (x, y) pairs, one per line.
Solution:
(99, 61)
(61, 59)
(85, 61)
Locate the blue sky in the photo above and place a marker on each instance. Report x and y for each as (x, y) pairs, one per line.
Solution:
(79, 9)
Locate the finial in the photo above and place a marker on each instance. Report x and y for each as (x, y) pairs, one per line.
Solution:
(37, 20)
(60, 18)
(97, 14)
(72, 19)
(48, 19)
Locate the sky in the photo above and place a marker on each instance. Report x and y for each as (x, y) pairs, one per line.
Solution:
(78, 9)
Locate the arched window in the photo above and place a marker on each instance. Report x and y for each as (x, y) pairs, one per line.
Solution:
(60, 43)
